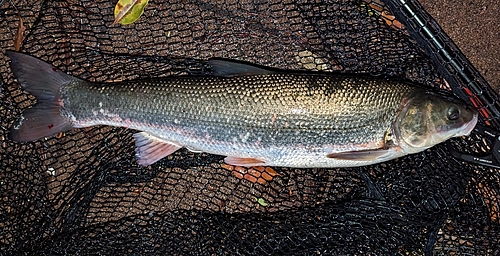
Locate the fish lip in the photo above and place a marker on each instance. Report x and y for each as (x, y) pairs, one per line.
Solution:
(470, 125)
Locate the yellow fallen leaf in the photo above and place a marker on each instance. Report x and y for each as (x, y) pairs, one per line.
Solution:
(128, 11)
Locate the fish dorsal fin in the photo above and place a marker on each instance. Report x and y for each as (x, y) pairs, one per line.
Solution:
(230, 68)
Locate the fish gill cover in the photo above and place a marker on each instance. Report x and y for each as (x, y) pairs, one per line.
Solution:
(83, 191)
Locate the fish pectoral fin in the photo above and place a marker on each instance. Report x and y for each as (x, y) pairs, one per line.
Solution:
(244, 161)
(231, 68)
(149, 148)
(364, 155)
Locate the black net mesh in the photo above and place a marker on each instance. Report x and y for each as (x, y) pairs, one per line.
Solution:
(83, 192)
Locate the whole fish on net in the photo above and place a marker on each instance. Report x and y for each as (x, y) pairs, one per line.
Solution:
(252, 115)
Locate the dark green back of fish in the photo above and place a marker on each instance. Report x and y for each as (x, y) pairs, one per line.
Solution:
(277, 108)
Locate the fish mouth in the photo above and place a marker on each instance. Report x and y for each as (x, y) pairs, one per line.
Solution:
(470, 125)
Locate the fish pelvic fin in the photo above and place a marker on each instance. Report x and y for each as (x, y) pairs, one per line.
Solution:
(44, 81)
(149, 148)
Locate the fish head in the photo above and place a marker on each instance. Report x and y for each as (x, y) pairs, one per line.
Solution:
(429, 120)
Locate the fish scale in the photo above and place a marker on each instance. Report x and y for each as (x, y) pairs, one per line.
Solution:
(182, 104)
(275, 116)
(252, 115)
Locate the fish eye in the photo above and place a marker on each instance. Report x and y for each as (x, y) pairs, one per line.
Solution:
(453, 113)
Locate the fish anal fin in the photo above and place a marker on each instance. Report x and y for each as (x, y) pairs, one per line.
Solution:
(244, 161)
(149, 148)
(363, 155)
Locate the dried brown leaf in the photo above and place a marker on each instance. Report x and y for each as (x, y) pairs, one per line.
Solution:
(19, 37)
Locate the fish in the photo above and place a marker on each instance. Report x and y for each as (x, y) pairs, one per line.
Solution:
(252, 115)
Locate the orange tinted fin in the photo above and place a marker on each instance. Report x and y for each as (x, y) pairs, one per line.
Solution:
(364, 155)
(149, 149)
(242, 161)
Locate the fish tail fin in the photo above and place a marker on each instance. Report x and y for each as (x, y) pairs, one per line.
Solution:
(43, 81)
